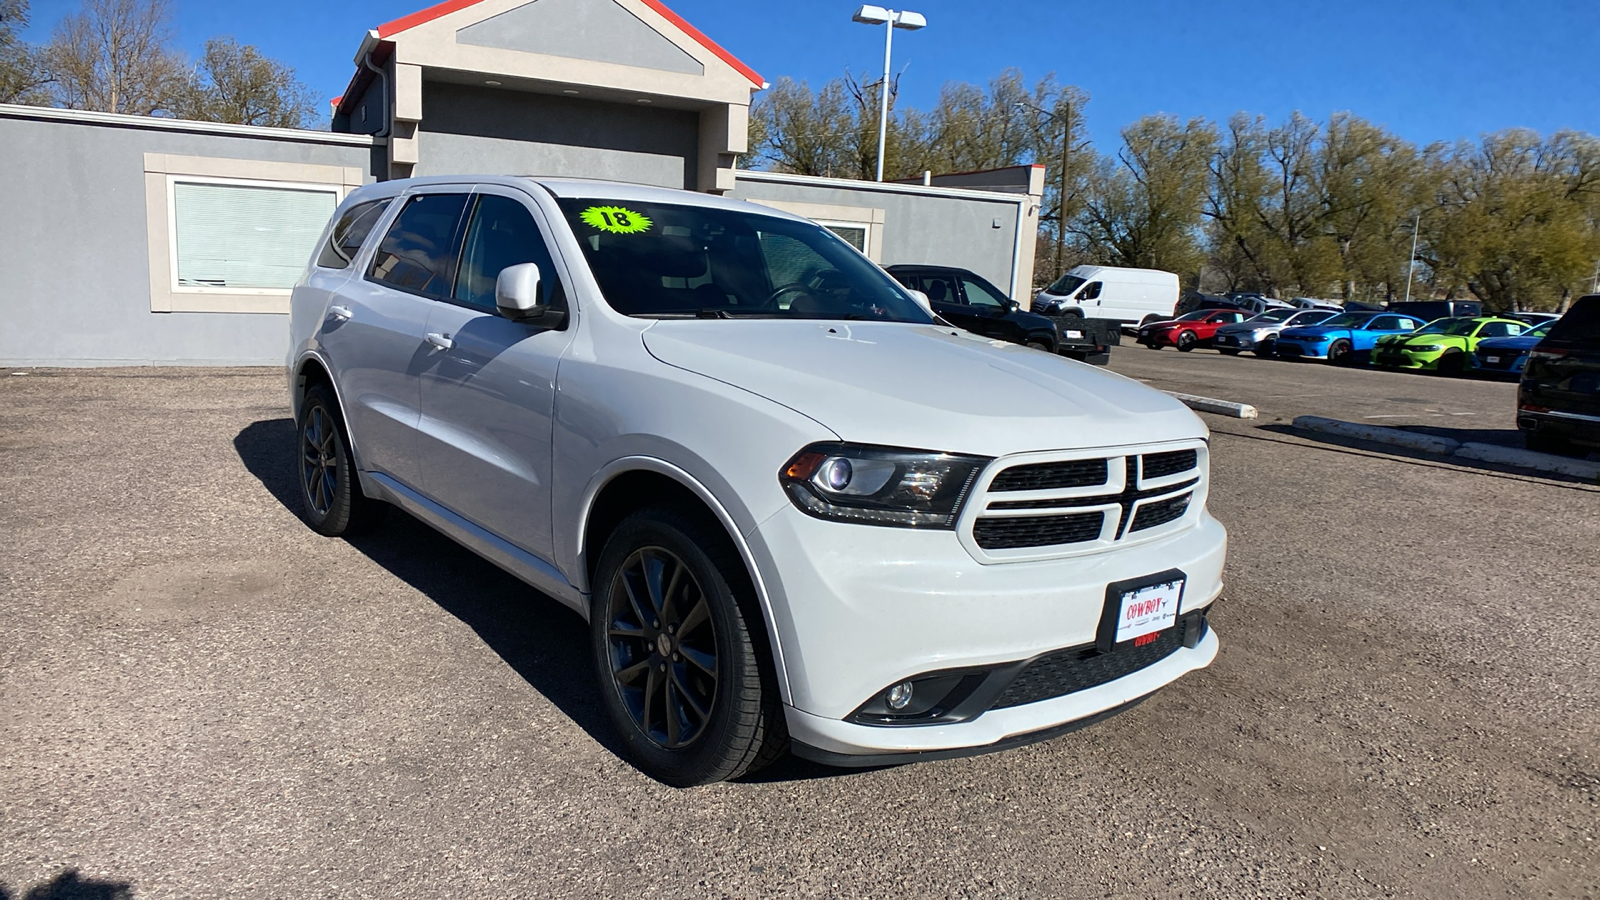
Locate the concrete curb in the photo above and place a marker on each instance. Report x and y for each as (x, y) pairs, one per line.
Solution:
(1220, 407)
(1527, 459)
(1426, 443)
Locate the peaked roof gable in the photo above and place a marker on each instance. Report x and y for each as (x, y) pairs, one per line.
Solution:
(581, 29)
(422, 17)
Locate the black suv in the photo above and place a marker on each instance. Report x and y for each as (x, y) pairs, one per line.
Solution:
(968, 301)
(1558, 404)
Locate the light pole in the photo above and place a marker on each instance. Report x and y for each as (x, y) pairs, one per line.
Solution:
(890, 19)
(1412, 269)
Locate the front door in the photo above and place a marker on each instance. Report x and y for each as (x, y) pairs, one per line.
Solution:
(488, 390)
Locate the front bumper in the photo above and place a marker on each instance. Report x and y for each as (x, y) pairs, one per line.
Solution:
(1235, 342)
(858, 608)
(1397, 358)
(1301, 350)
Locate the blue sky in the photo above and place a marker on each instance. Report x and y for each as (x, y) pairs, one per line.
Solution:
(1428, 69)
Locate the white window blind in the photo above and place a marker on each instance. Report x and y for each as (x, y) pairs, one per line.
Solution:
(854, 235)
(246, 237)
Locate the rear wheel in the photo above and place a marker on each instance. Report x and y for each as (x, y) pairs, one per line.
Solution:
(673, 630)
(1452, 364)
(1339, 353)
(330, 491)
(1540, 442)
(1187, 341)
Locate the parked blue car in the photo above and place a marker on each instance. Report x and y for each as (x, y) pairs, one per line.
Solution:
(1345, 338)
(1507, 355)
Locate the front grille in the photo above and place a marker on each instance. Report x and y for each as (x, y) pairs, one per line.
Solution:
(1288, 349)
(1160, 465)
(1160, 512)
(1080, 668)
(1009, 533)
(1051, 476)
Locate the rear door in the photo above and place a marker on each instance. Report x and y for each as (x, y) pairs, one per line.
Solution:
(374, 333)
(944, 293)
(990, 308)
(488, 386)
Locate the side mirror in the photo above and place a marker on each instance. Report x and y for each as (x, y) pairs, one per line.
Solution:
(516, 294)
(922, 300)
(1013, 306)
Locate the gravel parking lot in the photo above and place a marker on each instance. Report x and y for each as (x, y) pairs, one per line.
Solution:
(199, 697)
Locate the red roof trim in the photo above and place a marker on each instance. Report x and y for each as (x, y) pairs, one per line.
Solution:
(706, 42)
(422, 17)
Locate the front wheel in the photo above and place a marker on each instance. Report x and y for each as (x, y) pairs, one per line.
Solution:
(1453, 364)
(1187, 341)
(1040, 345)
(1267, 349)
(676, 651)
(1339, 353)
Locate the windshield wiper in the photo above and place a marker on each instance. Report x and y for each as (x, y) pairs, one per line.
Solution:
(712, 314)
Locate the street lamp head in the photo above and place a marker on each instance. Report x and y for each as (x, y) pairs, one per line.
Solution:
(878, 15)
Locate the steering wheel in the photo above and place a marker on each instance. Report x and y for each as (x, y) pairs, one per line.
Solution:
(793, 286)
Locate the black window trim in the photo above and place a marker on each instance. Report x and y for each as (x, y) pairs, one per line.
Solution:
(540, 220)
(379, 227)
(392, 218)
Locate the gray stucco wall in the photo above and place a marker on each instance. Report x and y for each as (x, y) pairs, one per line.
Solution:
(918, 227)
(75, 253)
(481, 130)
(581, 29)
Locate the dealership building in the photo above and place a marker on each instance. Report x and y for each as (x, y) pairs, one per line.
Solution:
(140, 241)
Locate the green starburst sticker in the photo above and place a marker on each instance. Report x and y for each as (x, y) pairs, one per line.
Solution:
(617, 219)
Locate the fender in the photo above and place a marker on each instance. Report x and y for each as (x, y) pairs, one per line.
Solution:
(296, 397)
(661, 467)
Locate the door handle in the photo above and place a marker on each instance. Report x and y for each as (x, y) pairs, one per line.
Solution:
(441, 341)
(342, 313)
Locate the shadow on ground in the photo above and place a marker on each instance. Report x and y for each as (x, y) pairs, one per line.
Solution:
(543, 641)
(1501, 437)
(69, 885)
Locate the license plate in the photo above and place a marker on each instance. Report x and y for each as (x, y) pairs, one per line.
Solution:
(1136, 611)
(1493, 360)
(1225, 340)
(1074, 334)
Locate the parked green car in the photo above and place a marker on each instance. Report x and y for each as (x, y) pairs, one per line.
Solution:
(1442, 345)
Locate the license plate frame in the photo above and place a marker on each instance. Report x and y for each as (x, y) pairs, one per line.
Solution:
(1111, 635)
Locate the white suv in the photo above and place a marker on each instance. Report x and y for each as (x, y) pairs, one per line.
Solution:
(795, 510)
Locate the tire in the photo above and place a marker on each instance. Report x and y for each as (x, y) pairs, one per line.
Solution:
(1040, 345)
(1187, 341)
(331, 501)
(1452, 364)
(1539, 442)
(1150, 318)
(1151, 345)
(694, 705)
(1266, 349)
(1339, 353)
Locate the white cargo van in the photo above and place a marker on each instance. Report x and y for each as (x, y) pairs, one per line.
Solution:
(1131, 296)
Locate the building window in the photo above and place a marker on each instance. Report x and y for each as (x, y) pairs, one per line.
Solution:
(854, 234)
(245, 237)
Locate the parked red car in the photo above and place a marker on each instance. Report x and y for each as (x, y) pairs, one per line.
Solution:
(1196, 329)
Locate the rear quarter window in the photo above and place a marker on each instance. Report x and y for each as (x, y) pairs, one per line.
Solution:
(1580, 325)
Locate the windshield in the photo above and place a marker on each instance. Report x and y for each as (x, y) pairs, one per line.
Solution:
(1066, 284)
(1540, 330)
(1273, 315)
(1346, 320)
(1450, 326)
(657, 260)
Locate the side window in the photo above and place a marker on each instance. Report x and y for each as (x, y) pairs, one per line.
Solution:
(502, 233)
(418, 255)
(980, 296)
(1385, 323)
(940, 289)
(349, 233)
(1092, 292)
(1499, 329)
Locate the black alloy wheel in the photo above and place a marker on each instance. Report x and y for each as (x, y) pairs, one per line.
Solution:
(1452, 364)
(1187, 341)
(330, 492)
(678, 638)
(663, 647)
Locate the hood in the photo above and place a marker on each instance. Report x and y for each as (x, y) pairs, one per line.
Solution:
(1443, 340)
(1310, 331)
(924, 387)
(1508, 343)
(1246, 327)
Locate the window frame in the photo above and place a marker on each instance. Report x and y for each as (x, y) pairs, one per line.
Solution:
(338, 194)
(369, 255)
(161, 169)
(541, 221)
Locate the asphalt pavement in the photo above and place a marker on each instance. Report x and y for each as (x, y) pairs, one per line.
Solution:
(199, 697)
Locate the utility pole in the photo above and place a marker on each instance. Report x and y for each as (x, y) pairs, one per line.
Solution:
(1061, 201)
(1411, 266)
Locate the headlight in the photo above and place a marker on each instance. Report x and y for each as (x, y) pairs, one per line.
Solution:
(1423, 348)
(880, 485)
(1311, 338)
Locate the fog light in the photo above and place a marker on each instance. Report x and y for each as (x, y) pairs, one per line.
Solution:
(900, 695)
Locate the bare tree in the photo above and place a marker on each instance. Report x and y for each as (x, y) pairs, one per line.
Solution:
(21, 77)
(116, 56)
(235, 83)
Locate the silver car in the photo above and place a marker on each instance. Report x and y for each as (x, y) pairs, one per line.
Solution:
(1260, 334)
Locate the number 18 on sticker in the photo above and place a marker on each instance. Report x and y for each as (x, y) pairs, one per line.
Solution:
(1148, 610)
(617, 219)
